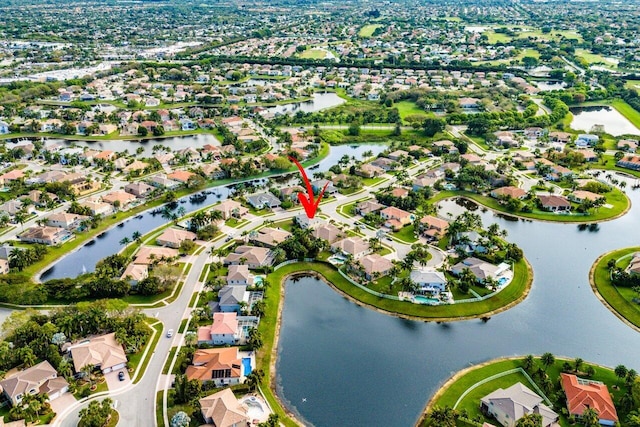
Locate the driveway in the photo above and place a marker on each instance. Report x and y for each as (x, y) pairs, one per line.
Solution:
(60, 404)
(114, 383)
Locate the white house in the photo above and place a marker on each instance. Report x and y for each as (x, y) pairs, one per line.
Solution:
(429, 280)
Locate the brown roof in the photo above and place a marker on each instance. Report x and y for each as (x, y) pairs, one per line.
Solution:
(375, 263)
(553, 200)
(103, 351)
(224, 409)
(211, 359)
(30, 378)
(514, 192)
(182, 176)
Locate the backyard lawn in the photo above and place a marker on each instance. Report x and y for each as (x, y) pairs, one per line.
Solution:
(619, 299)
(451, 392)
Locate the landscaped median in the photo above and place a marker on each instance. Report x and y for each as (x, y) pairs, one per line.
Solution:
(617, 299)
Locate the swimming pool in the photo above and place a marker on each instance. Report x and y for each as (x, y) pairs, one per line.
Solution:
(424, 300)
(258, 280)
(502, 280)
(246, 363)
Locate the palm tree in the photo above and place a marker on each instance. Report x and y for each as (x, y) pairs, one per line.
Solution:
(528, 363)
(577, 364)
(547, 360)
(443, 417)
(125, 241)
(590, 418)
(621, 371)
(190, 339)
(137, 236)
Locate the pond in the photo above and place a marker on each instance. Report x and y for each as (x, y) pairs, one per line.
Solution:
(108, 243)
(355, 366)
(584, 118)
(174, 143)
(320, 101)
(550, 85)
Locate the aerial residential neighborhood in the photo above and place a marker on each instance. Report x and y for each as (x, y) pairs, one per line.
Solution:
(281, 213)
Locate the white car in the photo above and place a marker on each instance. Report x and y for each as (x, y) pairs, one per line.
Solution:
(169, 333)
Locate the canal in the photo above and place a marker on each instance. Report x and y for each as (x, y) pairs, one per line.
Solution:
(108, 243)
(342, 364)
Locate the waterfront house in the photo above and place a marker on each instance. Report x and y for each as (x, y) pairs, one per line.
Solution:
(139, 189)
(629, 162)
(230, 299)
(173, 237)
(582, 394)
(64, 220)
(44, 234)
(222, 409)
(554, 203)
(481, 269)
(134, 273)
(507, 406)
(119, 199)
(509, 191)
(263, 200)
(375, 266)
(428, 280)
(222, 366)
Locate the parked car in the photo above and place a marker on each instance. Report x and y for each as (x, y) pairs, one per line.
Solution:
(121, 376)
(169, 333)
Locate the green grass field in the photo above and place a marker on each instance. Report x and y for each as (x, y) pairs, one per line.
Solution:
(408, 108)
(313, 54)
(620, 299)
(594, 58)
(367, 30)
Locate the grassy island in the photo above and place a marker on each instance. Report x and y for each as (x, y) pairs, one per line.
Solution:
(619, 299)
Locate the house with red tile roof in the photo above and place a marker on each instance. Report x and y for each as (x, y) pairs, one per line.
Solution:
(514, 192)
(180, 176)
(222, 366)
(582, 394)
(223, 330)
(396, 218)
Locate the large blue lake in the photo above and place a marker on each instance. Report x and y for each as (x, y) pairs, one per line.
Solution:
(358, 367)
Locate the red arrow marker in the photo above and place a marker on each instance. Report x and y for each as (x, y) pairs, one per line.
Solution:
(310, 206)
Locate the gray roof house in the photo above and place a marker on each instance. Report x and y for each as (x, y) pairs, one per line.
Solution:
(429, 280)
(230, 298)
(508, 406)
(263, 200)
